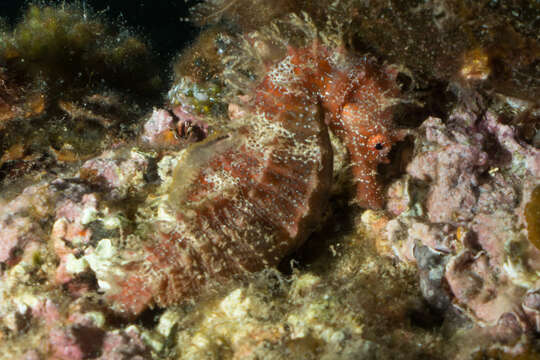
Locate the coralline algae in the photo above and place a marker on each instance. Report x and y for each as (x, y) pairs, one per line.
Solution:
(477, 179)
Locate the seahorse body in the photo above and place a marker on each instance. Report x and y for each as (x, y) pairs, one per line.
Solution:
(357, 99)
(245, 200)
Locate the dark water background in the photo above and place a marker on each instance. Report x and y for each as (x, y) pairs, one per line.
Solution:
(159, 21)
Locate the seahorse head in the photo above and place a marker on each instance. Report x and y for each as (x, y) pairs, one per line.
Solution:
(378, 146)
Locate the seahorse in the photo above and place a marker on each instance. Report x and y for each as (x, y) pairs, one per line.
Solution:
(242, 201)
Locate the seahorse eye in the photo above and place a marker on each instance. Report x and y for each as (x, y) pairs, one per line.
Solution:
(379, 146)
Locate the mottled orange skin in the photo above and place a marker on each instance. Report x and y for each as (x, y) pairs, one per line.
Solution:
(357, 99)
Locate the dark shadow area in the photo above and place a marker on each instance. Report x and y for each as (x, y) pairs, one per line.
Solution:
(317, 245)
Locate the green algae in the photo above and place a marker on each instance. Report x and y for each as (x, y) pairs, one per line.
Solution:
(532, 215)
(68, 44)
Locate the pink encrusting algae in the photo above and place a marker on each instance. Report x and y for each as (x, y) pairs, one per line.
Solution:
(244, 200)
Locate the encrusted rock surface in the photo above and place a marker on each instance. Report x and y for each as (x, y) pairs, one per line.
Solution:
(476, 175)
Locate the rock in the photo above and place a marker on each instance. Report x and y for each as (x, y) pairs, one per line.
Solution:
(431, 265)
(160, 129)
(120, 174)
